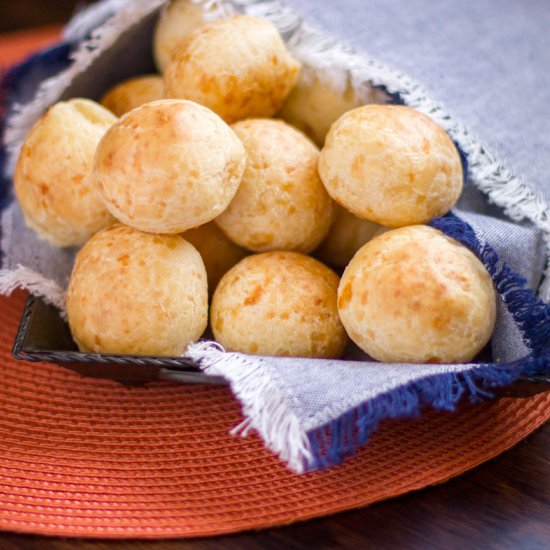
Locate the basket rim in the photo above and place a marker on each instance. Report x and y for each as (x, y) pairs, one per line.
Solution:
(179, 369)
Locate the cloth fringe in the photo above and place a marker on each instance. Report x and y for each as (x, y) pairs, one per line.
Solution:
(265, 410)
(339, 439)
(531, 314)
(89, 18)
(36, 284)
(263, 406)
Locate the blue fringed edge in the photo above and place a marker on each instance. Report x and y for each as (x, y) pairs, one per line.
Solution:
(339, 439)
(531, 315)
(39, 66)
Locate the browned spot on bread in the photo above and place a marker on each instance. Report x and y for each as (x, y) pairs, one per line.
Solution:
(345, 296)
(261, 240)
(254, 296)
(357, 166)
(124, 259)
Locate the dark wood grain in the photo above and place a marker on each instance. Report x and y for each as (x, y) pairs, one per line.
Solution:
(503, 504)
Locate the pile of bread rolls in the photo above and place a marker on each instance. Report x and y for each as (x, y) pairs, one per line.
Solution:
(182, 188)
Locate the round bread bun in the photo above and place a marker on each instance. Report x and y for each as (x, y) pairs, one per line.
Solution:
(279, 304)
(314, 103)
(346, 236)
(168, 166)
(413, 295)
(391, 164)
(52, 178)
(132, 93)
(137, 293)
(238, 67)
(218, 253)
(178, 19)
(281, 203)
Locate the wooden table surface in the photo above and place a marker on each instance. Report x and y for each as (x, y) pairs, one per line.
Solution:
(503, 504)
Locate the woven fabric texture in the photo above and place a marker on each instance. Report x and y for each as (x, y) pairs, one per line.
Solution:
(91, 458)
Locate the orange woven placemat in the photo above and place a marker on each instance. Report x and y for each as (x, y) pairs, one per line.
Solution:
(87, 457)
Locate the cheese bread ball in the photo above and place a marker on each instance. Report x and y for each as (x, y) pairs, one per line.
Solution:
(391, 164)
(178, 20)
(137, 293)
(314, 103)
(168, 166)
(238, 67)
(281, 203)
(346, 236)
(132, 93)
(218, 253)
(280, 304)
(413, 295)
(52, 178)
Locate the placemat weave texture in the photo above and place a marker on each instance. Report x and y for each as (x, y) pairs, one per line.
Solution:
(86, 457)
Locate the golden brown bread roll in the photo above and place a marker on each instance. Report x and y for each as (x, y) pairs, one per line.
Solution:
(132, 93)
(168, 166)
(52, 177)
(137, 293)
(347, 234)
(281, 304)
(281, 203)
(238, 67)
(391, 165)
(178, 19)
(314, 104)
(413, 295)
(218, 253)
